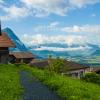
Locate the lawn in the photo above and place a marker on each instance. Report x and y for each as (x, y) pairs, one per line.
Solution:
(10, 88)
(67, 87)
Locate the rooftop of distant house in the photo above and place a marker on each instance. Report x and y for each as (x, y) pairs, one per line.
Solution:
(21, 55)
(69, 64)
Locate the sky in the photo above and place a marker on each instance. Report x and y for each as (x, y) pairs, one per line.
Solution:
(52, 21)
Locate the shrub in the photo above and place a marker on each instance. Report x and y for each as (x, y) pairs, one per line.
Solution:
(92, 77)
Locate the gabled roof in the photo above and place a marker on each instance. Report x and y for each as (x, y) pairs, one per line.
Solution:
(39, 63)
(68, 64)
(5, 41)
(22, 55)
(74, 66)
(95, 69)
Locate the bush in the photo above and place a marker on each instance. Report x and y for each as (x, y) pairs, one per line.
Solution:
(92, 77)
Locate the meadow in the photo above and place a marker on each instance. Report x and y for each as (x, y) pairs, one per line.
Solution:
(68, 88)
(10, 87)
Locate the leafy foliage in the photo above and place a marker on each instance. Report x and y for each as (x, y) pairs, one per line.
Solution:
(56, 65)
(92, 77)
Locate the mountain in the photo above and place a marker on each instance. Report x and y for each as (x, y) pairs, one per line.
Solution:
(82, 53)
(19, 44)
(87, 53)
(64, 50)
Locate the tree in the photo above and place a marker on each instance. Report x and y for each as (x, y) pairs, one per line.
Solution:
(56, 65)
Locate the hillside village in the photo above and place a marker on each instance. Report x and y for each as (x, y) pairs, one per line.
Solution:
(49, 49)
(18, 57)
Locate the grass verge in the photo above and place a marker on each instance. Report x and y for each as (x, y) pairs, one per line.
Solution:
(67, 87)
(10, 88)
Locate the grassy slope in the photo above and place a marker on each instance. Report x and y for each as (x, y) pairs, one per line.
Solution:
(10, 88)
(66, 87)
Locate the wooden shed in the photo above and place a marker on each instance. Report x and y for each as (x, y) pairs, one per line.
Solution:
(21, 57)
(5, 43)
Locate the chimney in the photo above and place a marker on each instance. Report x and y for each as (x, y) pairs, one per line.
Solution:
(0, 28)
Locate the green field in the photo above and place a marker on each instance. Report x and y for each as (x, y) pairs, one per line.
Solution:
(10, 88)
(67, 87)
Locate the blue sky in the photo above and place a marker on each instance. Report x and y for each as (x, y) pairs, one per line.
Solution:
(40, 21)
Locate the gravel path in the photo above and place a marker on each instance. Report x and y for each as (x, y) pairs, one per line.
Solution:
(34, 90)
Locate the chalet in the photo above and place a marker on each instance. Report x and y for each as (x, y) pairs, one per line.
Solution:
(73, 69)
(21, 57)
(5, 43)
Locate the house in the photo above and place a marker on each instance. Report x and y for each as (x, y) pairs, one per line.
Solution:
(73, 69)
(95, 69)
(5, 44)
(21, 57)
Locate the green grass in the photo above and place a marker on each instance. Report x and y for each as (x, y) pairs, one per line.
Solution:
(67, 87)
(10, 88)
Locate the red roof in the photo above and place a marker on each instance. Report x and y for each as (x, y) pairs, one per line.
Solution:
(5, 41)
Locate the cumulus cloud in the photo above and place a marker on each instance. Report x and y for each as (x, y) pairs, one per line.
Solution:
(42, 39)
(82, 29)
(82, 3)
(42, 8)
(82, 48)
(14, 12)
(55, 26)
(45, 7)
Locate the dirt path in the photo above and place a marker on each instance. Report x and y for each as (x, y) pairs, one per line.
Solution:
(34, 90)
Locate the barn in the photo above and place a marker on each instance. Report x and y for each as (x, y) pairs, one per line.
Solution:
(5, 44)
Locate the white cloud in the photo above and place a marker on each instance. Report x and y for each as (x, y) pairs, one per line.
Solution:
(54, 23)
(42, 8)
(82, 3)
(82, 29)
(82, 48)
(1, 1)
(59, 7)
(45, 7)
(14, 12)
(41, 39)
(55, 27)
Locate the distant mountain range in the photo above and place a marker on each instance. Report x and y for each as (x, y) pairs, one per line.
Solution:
(64, 50)
(76, 52)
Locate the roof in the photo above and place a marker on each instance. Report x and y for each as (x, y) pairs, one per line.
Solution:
(39, 63)
(95, 69)
(5, 41)
(74, 66)
(70, 65)
(22, 54)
